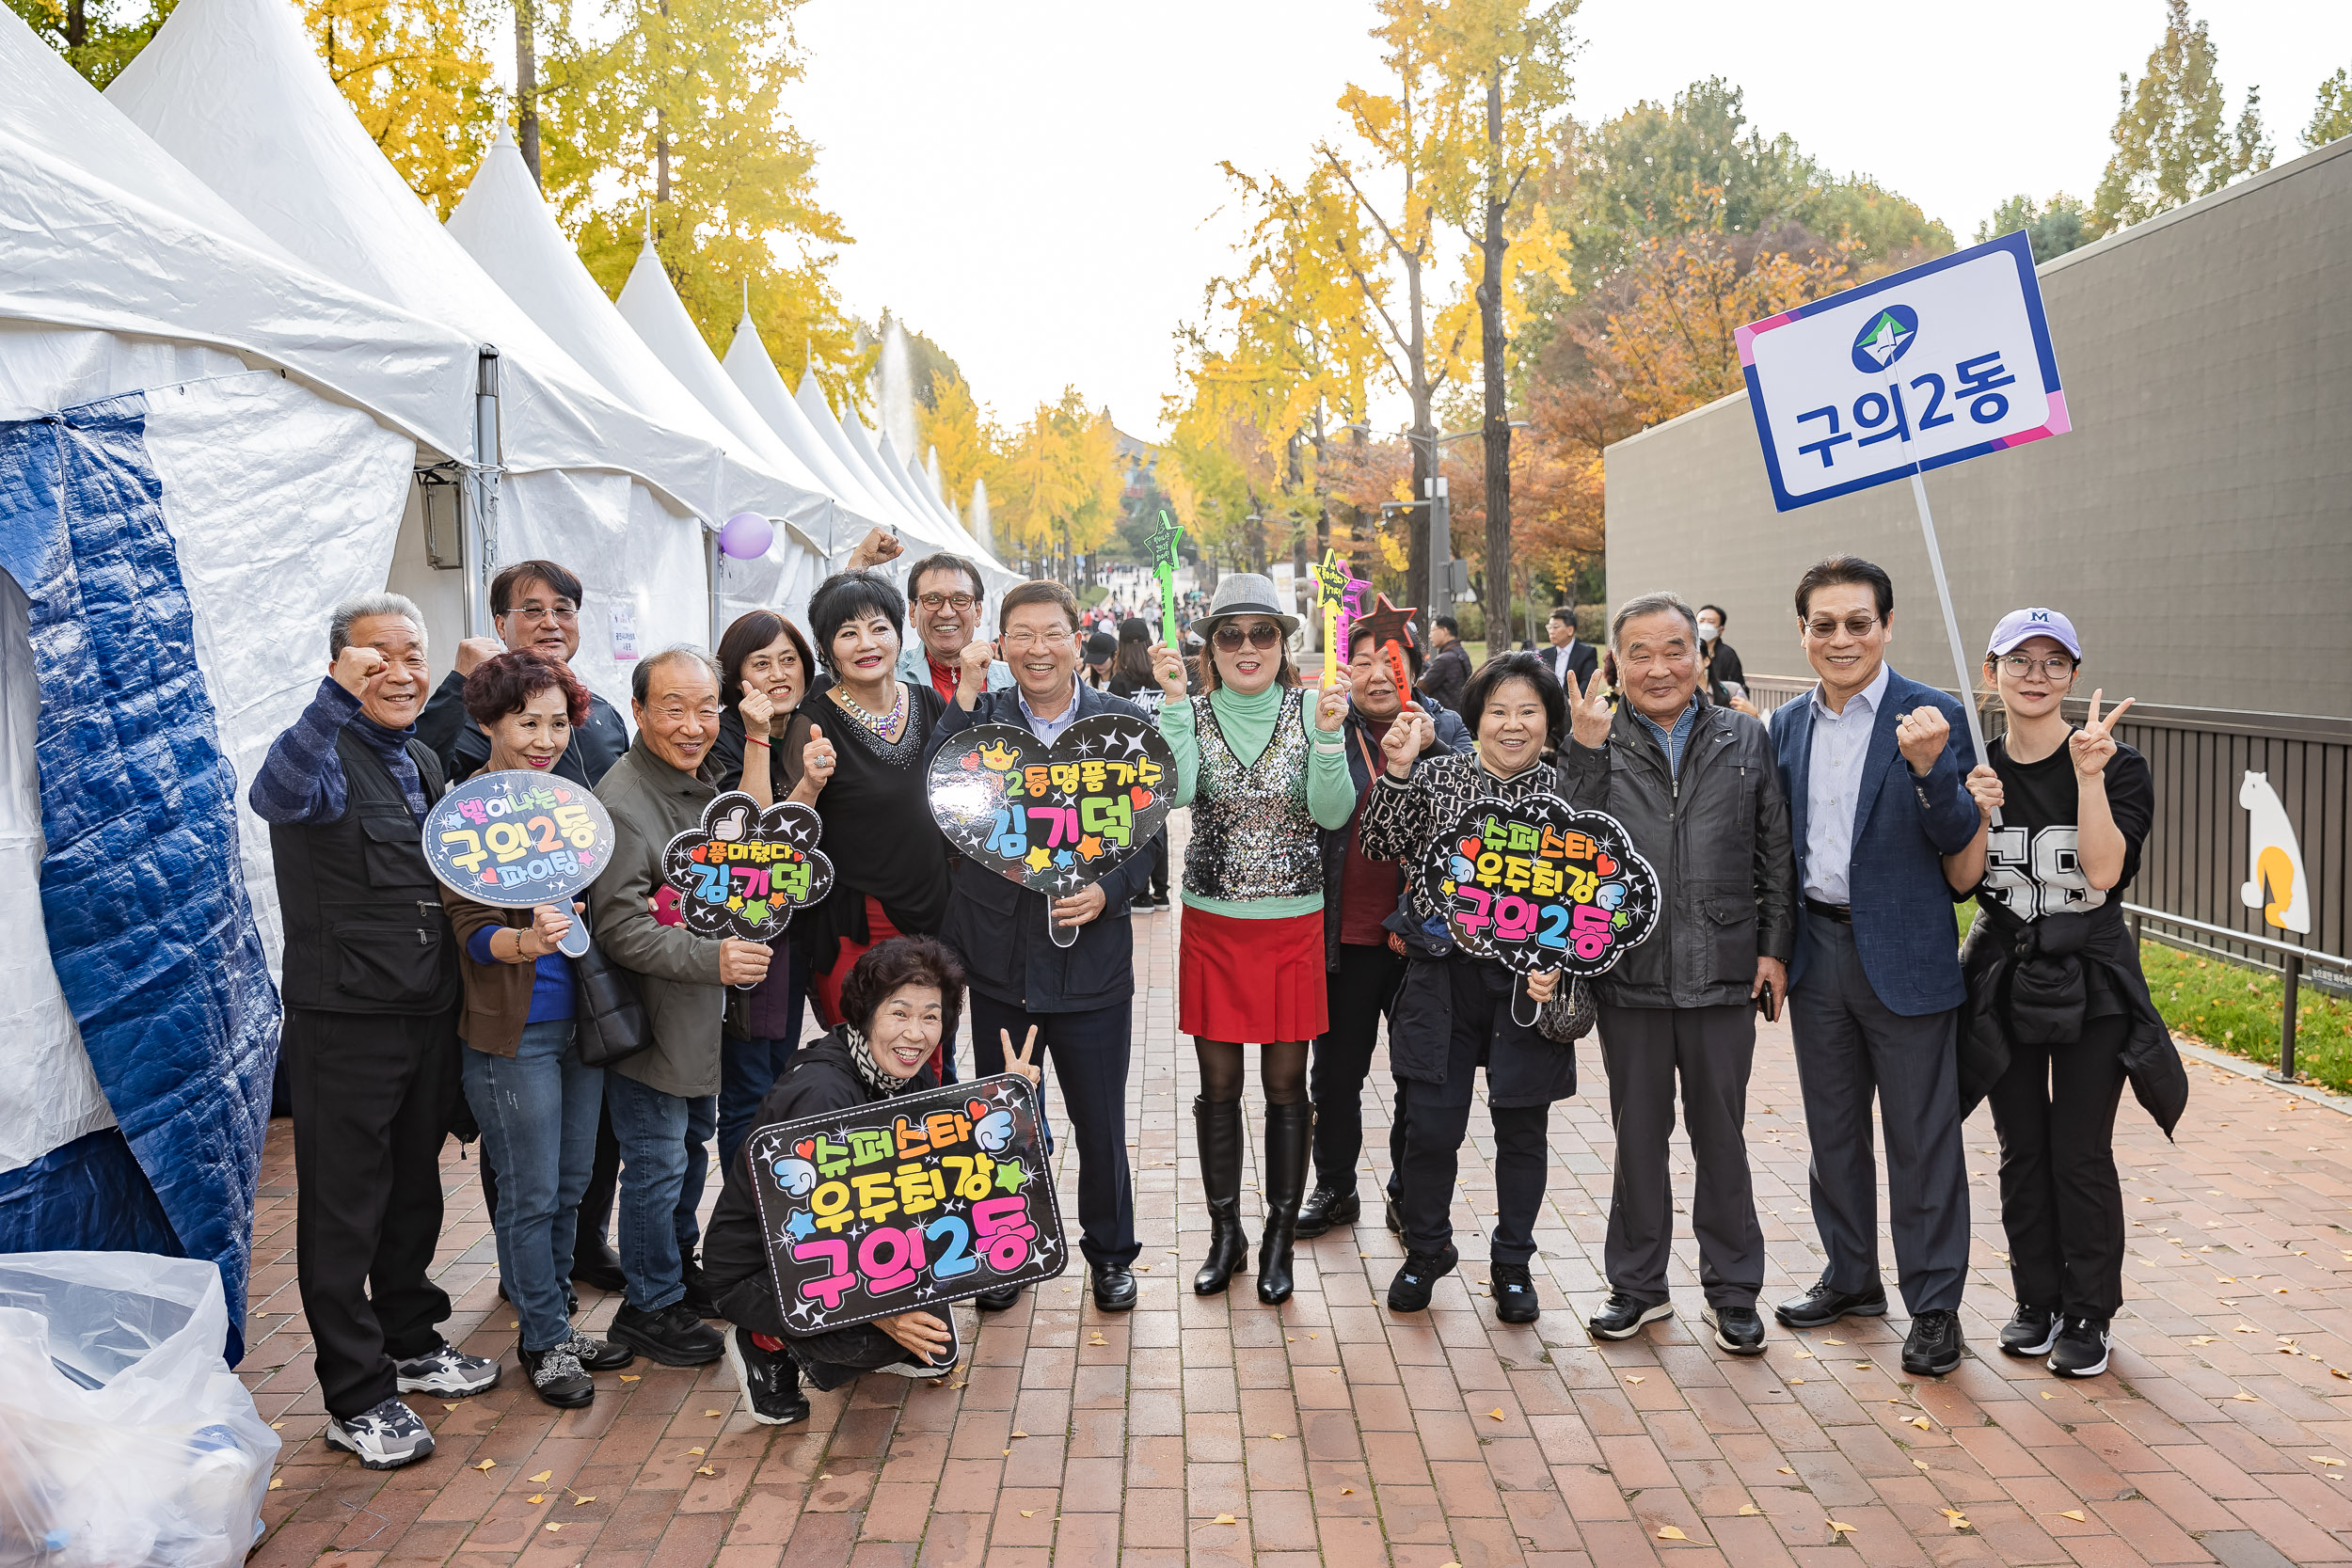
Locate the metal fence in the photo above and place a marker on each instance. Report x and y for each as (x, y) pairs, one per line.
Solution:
(2196, 858)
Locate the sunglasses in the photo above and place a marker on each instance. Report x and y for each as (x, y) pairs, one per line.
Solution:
(1262, 635)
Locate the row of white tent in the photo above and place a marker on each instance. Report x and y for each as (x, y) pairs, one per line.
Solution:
(217, 235)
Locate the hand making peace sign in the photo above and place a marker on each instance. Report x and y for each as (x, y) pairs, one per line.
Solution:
(1019, 1062)
(2094, 743)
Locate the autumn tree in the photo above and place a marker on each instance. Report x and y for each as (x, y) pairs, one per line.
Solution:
(2331, 118)
(98, 38)
(417, 74)
(963, 432)
(1061, 485)
(2171, 145)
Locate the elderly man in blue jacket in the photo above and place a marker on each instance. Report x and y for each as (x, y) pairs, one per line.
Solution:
(1076, 998)
(1873, 765)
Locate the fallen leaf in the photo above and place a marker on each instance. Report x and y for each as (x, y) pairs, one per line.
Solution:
(1021, 1434)
(2203, 1340)
(714, 1412)
(1804, 1355)
(2047, 1395)
(1832, 1341)
(1797, 1381)
(2245, 1398)
(1276, 1435)
(696, 1452)
(2076, 1514)
(1347, 1490)
(1495, 1412)
(536, 1497)
(544, 1474)
(1028, 1513)
(583, 1497)
(1841, 1529)
(1919, 1463)
(1750, 1508)
(275, 1426)
(552, 1529)
(275, 1481)
(488, 1464)
(626, 1377)
(1920, 1421)
(1224, 1519)
(2339, 1372)
(1786, 1471)
(1668, 1532)
(2323, 1459)
(1633, 1380)
(706, 1470)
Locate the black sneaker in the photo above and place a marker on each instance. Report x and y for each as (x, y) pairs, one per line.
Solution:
(674, 1336)
(697, 1297)
(1515, 1293)
(557, 1377)
(2031, 1331)
(1390, 1217)
(446, 1370)
(1325, 1208)
(1410, 1291)
(768, 1378)
(593, 1264)
(1738, 1329)
(1621, 1316)
(2082, 1348)
(385, 1437)
(1933, 1345)
(598, 1355)
(1822, 1306)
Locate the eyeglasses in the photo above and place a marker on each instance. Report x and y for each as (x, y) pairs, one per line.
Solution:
(2022, 666)
(1264, 635)
(942, 601)
(1021, 641)
(1856, 625)
(562, 615)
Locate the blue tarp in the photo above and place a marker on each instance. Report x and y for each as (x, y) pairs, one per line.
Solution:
(149, 927)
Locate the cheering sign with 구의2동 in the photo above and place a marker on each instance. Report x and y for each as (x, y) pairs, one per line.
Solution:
(1928, 366)
(915, 1201)
(515, 840)
(743, 871)
(1542, 886)
(1053, 819)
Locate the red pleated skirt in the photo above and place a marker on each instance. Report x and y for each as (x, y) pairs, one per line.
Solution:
(1254, 981)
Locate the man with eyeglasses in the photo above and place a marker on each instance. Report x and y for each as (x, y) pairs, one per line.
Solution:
(1875, 988)
(943, 593)
(534, 605)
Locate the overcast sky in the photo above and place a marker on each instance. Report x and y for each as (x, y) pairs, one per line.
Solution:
(1035, 183)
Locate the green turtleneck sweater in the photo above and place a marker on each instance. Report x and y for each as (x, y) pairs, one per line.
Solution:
(1248, 722)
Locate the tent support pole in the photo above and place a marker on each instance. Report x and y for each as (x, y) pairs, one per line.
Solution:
(481, 489)
(710, 574)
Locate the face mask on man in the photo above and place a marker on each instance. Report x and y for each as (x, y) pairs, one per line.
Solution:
(1706, 631)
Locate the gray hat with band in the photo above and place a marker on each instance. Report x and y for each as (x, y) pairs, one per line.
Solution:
(1247, 594)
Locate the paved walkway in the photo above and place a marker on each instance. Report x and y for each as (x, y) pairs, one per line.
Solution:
(1218, 1430)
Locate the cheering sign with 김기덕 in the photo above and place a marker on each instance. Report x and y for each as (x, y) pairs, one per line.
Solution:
(743, 871)
(1542, 886)
(1053, 819)
(514, 839)
(915, 1201)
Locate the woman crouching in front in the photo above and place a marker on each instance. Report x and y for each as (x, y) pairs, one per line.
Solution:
(899, 1000)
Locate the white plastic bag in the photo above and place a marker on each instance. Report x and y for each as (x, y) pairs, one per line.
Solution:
(125, 1440)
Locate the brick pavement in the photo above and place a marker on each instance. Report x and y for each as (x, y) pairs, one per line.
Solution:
(1218, 1431)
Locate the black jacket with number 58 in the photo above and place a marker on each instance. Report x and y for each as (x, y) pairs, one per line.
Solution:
(1717, 834)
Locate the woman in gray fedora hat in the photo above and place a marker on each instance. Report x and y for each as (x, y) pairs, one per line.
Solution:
(1261, 776)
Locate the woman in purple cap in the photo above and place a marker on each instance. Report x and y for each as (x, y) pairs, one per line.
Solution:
(2058, 1012)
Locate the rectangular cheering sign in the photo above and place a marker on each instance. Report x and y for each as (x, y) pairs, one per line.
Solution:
(915, 1201)
(1925, 368)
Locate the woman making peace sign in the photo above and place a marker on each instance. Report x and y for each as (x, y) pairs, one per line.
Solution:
(2054, 988)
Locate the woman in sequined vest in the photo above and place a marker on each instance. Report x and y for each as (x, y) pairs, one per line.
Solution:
(1452, 1013)
(1262, 775)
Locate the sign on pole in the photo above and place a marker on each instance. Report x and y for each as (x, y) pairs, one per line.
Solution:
(1919, 370)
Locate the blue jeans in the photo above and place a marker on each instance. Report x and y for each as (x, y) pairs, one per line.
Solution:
(663, 1138)
(748, 1069)
(538, 1110)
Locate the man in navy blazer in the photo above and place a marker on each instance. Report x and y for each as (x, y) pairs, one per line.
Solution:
(1873, 765)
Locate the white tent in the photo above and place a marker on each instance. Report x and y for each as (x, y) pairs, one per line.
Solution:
(507, 228)
(229, 438)
(233, 86)
(755, 374)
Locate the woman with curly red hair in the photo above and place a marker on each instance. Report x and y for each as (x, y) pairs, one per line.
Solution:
(535, 1101)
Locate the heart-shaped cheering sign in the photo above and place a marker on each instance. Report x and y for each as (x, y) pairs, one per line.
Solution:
(1053, 819)
(744, 871)
(1542, 885)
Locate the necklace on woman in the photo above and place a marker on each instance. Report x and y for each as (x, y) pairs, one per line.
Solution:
(881, 727)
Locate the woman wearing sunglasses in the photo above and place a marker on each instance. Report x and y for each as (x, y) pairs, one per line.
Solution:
(1262, 776)
(2058, 1012)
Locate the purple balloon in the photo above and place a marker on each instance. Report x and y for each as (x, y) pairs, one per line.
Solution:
(747, 535)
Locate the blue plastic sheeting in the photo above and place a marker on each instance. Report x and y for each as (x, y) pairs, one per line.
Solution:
(91, 1190)
(149, 928)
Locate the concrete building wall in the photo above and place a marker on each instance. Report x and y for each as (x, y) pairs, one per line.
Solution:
(2196, 524)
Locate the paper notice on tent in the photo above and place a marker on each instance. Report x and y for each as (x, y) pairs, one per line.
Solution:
(623, 633)
(1929, 366)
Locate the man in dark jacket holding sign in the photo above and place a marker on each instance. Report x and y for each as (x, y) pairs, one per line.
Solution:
(1698, 790)
(370, 982)
(1077, 998)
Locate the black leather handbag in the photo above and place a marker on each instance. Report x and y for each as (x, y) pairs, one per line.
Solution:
(607, 1016)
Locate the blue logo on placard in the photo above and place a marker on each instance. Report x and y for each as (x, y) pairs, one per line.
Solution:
(1885, 338)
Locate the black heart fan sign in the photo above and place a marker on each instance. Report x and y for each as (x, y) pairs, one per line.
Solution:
(1542, 885)
(1053, 819)
(744, 871)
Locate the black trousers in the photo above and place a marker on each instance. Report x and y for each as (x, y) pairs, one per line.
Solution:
(1159, 865)
(1089, 1051)
(1849, 1049)
(828, 1360)
(1360, 992)
(1438, 1122)
(372, 1101)
(2060, 1202)
(1710, 1049)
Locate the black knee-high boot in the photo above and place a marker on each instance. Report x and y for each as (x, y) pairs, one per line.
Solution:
(1219, 1124)
(1289, 1145)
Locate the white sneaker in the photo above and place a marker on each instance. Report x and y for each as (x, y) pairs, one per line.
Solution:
(448, 1371)
(385, 1437)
